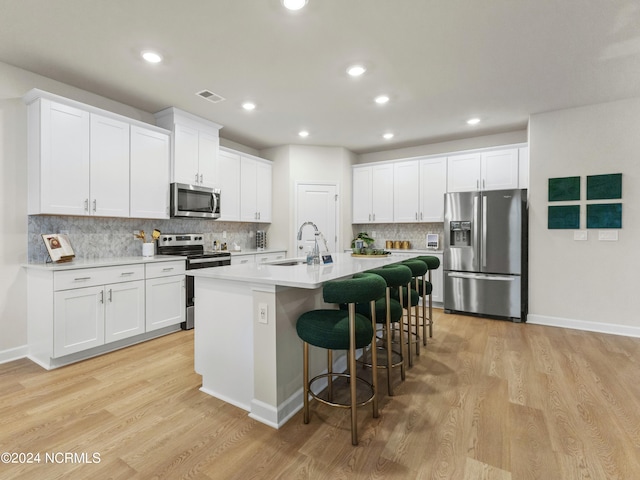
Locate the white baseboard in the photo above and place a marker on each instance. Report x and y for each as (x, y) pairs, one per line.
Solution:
(14, 354)
(614, 329)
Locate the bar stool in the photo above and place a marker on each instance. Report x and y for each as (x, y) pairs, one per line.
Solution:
(388, 312)
(411, 301)
(426, 289)
(340, 330)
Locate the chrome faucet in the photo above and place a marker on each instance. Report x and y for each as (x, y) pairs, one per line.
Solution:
(316, 249)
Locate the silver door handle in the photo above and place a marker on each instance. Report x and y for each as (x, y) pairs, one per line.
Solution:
(102, 296)
(167, 269)
(95, 204)
(374, 217)
(124, 274)
(416, 215)
(196, 177)
(110, 295)
(86, 204)
(484, 231)
(202, 178)
(476, 276)
(78, 279)
(369, 217)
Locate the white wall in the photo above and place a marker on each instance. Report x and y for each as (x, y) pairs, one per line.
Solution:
(590, 285)
(485, 141)
(14, 83)
(299, 163)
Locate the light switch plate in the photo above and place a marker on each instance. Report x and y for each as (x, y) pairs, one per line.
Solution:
(608, 235)
(263, 313)
(580, 235)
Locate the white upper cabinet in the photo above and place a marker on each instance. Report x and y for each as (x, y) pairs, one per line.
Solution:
(150, 165)
(406, 191)
(373, 194)
(255, 189)
(86, 161)
(58, 158)
(463, 172)
(418, 190)
(489, 170)
(433, 186)
(109, 167)
(195, 147)
(500, 169)
(229, 184)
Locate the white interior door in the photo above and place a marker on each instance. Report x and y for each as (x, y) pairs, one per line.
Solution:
(317, 203)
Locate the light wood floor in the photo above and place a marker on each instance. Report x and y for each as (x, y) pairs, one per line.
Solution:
(487, 399)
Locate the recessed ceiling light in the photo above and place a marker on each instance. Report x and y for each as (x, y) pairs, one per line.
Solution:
(473, 121)
(381, 99)
(249, 106)
(356, 70)
(151, 57)
(387, 136)
(303, 133)
(294, 4)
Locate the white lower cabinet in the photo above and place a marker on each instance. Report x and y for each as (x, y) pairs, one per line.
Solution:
(166, 294)
(124, 310)
(78, 320)
(437, 282)
(165, 302)
(71, 311)
(92, 316)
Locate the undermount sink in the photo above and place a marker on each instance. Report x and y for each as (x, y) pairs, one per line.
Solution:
(287, 262)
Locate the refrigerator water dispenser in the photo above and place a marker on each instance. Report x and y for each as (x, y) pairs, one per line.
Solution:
(460, 233)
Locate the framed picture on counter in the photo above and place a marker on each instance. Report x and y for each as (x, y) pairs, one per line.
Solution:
(59, 247)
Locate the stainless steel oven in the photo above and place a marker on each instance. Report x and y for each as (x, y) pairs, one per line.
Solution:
(191, 246)
(194, 201)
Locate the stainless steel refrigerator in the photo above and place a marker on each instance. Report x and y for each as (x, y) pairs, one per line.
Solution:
(485, 253)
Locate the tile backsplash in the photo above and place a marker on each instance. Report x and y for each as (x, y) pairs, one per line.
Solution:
(416, 233)
(96, 237)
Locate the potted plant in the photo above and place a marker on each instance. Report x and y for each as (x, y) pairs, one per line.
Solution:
(367, 242)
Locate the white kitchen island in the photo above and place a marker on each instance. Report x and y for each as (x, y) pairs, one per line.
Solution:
(246, 346)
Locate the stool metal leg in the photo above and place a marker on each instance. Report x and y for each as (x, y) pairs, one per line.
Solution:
(374, 360)
(330, 377)
(408, 308)
(352, 373)
(424, 311)
(430, 309)
(417, 325)
(305, 380)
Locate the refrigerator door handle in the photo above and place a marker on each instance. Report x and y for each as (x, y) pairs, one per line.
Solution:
(484, 231)
(476, 276)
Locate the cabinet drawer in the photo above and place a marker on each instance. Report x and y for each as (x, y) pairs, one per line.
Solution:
(269, 257)
(165, 269)
(89, 277)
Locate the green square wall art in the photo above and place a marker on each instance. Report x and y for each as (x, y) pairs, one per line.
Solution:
(564, 217)
(604, 215)
(604, 187)
(564, 189)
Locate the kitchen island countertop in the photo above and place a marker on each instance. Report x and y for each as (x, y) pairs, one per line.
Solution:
(299, 276)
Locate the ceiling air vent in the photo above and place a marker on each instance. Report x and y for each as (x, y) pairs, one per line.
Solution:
(210, 96)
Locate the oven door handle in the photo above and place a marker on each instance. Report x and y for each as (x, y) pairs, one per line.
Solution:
(213, 261)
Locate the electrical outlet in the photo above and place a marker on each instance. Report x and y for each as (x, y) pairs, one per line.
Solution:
(580, 235)
(224, 234)
(263, 313)
(373, 234)
(608, 235)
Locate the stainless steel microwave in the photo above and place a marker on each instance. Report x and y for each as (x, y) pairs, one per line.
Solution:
(194, 201)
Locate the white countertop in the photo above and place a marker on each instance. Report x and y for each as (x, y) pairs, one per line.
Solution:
(253, 251)
(79, 263)
(299, 276)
